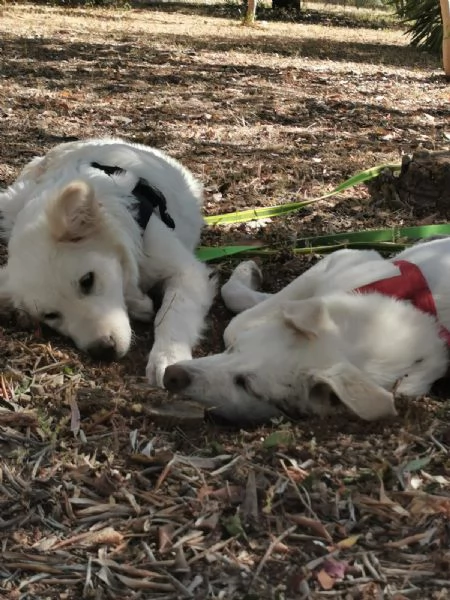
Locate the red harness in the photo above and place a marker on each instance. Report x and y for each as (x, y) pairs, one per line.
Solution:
(409, 285)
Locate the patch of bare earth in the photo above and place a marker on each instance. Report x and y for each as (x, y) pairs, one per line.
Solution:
(104, 491)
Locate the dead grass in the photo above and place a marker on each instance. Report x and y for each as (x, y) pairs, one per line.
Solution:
(106, 491)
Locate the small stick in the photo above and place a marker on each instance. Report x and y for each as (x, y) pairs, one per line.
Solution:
(269, 551)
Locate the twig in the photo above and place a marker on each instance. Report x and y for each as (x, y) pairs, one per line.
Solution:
(273, 544)
(438, 443)
(369, 566)
(88, 578)
(180, 587)
(227, 466)
(318, 561)
(210, 550)
(165, 473)
(173, 580)
(3, 388)
(306, 501)
(409, 591)
(52, 366)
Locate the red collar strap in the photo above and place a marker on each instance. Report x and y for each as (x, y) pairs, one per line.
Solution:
(409, 285)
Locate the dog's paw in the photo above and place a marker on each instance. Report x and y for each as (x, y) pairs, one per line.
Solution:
(249, 274)
(140, 308)
(160, 359)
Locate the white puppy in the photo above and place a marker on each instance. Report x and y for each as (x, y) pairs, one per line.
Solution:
(91, 227)
(322, 337)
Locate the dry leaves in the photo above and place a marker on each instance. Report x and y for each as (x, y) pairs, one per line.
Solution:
(104, 491)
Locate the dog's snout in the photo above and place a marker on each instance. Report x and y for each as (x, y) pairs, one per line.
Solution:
(103, 349)
(176, 378)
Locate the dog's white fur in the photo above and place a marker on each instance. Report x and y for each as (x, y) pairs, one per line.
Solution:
(63, 218)
(292, 350)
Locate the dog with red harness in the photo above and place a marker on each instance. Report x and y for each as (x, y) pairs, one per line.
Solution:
(355, 326)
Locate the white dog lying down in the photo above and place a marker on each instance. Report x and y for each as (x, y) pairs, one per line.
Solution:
(319, 338)
(84, 247)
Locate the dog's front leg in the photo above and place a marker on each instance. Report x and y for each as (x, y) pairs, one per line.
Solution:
(139, 305)
(306, 285)
(188, 294)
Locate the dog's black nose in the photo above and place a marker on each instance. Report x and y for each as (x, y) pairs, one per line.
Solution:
(103, 349)
(176, 378)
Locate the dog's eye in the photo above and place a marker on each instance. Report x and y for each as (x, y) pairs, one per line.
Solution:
(241, 381)
(51, 316)
(86, 283)
(247, 383)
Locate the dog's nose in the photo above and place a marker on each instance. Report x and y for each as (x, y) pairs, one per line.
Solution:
(103, 349)
(176, 378)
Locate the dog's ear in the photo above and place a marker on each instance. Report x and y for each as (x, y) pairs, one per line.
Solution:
(74, 214)
(307, 317)
(354, 389)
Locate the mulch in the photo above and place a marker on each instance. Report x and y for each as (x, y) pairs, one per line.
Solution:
(109, 489)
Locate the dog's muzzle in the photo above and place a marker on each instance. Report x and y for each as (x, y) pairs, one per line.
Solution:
(103, 349)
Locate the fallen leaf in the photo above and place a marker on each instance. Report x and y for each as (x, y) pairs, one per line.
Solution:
(165, 533)
(316, 526)
(335, 568)
(233, 525)
(371, 591)
(108, 535)
(45, 544)
(207, 523)
(426, 504)
(230, 493)
(325, 580)
(423, 538)
(348, 542)
(249, 507)
(180, 564)
(416, 464)
(74, 412)
(267, 508)
(283, 437)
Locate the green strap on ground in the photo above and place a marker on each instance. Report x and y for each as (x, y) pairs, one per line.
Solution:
(243, 216)
(392, 239)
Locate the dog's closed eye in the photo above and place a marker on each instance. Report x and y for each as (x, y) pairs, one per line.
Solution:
(86, 283)
(245, 382)
(242, 382)
(51, 316)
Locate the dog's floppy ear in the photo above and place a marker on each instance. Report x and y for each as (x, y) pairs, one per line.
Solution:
(306, 316)
(74, 214)
(354, 389)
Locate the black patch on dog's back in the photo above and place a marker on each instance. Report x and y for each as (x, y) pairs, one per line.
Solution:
(106, 169)
(148, 198)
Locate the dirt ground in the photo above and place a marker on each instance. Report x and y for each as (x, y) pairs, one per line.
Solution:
(101, 496)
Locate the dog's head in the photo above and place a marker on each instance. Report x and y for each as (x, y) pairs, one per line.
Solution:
(65, 268)
(293, 360)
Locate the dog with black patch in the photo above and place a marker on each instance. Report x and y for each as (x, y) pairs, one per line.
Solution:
(91, 227)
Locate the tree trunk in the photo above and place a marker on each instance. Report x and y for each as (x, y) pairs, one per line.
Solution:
(251, 12)
(422, 185)
(287, 4)
(445, 12)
